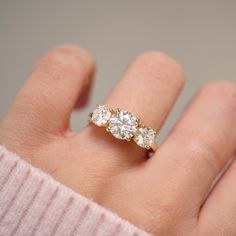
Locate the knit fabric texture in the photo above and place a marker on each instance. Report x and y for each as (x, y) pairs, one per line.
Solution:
(33, 203)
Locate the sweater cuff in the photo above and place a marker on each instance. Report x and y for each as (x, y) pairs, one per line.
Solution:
(33, 203)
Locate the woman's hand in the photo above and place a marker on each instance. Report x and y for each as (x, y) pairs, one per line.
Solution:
(166, 194)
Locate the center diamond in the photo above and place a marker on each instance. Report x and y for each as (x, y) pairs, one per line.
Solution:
(123, 125)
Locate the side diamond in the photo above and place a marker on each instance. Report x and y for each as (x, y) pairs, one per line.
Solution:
(101, 115)
(145, 137)
(123, 125)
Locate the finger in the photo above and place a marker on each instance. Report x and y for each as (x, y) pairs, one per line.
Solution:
(46, 100)
(219, 210)
(84, 96)
(199, 146)
(148, 89)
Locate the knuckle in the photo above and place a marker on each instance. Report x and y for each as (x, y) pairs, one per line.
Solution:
(203, 156)
(65, 61)
(159, 66)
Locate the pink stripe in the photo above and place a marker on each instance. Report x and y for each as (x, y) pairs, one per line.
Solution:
(7, 177)
(99, 223)
(1, 157)
(117, 230)
(15, 196)
(80, 220)
(27, 208)
(50, 201)
(66, 208)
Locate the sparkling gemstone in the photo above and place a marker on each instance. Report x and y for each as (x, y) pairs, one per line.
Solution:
(101, 115)
(145, 137)
(123, 125)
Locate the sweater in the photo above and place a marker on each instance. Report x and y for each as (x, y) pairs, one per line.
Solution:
(33, 203)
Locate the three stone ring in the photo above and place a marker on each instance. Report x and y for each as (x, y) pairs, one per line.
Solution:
(124, 125)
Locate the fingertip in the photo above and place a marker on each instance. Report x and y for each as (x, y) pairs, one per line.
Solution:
(157, 63)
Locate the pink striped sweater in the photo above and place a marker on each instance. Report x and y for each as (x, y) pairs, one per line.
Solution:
(33, 203)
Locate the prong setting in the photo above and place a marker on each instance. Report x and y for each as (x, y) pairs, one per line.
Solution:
(123, 125)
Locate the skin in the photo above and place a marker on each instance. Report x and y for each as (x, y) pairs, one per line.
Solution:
(167, 194)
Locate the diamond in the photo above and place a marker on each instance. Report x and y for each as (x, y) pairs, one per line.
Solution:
(145, 137)
(123, 125)
(101, 115)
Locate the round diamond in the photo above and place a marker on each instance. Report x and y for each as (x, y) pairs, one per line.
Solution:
(145, 137)
(123, 125)
(101, 115)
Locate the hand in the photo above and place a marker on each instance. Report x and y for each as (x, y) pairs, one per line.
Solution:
(166, 194)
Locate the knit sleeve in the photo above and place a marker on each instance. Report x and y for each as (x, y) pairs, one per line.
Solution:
(33, 203)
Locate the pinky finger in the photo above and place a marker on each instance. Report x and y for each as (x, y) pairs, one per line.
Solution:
(219, 212)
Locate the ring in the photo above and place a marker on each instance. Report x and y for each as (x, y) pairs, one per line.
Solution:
(124, 125)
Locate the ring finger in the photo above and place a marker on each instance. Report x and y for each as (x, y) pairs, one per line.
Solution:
(148, 89)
